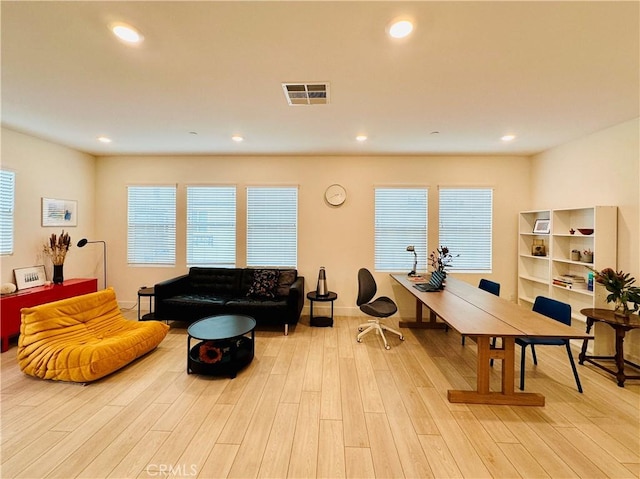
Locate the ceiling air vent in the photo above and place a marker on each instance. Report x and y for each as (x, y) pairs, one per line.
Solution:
(306, 93)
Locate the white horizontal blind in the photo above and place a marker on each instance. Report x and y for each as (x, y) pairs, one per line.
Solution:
(151, 231)
(400, 221)
(272, 226)
(466, 225)
(7, 201)
(211, 226)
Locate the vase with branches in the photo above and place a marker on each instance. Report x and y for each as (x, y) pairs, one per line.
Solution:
(56, 249)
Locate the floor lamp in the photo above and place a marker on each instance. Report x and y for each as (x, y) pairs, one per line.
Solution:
(84, 241)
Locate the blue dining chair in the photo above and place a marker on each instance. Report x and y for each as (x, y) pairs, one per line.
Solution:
(560, 312)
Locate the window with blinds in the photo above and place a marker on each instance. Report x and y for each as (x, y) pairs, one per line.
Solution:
(7, 201)
(272, 226)
(211, 226)
(400, 221)
(466, 226)
(151, 229)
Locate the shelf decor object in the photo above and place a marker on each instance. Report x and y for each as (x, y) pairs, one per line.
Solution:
(542, 226)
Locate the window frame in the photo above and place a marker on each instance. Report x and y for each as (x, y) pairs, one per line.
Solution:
(167, 230)
(471, 231)
(8, 217)
(256, 250)
(225, 230)
(390, 251)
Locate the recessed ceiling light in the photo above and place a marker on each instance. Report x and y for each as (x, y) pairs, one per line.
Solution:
(237, 138)
(126, 33)
(104, 139)
(400, 28)
(507, 138)
(361, 138)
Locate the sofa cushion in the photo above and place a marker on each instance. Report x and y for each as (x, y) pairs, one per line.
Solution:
(286, 278)
(195, 299)
(264, 285)
(224, 282)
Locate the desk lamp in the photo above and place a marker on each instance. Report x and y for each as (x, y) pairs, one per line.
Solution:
(415, 260)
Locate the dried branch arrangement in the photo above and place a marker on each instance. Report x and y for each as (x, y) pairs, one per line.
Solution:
(57, 247)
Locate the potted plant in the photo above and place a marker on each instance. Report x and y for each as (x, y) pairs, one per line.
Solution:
(621, 290)
(56, 249)
(441, 259)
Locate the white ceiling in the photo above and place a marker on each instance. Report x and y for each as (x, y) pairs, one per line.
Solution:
(548, 72)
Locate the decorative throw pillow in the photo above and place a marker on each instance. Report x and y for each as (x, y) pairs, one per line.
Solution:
(265, 283)
(285, 280)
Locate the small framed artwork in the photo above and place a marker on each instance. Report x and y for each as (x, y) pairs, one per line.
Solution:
(59, 212)
(30, 277)
(542, 227)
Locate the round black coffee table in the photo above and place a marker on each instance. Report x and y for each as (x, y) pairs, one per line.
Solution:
(226, 344)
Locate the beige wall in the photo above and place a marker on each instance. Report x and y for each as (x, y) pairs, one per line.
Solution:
(600, 169)
(45, 169)
(341, 239)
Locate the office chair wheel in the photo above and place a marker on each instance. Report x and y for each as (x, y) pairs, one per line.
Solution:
(359, 340)
(401, 338)
(360, 329)
(387, 347)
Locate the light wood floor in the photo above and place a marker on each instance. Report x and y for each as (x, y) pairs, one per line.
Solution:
(318, 404)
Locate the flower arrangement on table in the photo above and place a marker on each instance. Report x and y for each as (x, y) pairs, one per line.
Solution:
(621, 290)
(441, 259)
(56, 248)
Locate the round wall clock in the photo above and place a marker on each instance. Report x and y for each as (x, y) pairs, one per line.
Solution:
(335, 195)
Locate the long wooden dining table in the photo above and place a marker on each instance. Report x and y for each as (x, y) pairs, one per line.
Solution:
(479, 314)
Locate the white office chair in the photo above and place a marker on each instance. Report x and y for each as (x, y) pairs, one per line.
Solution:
(381, 307)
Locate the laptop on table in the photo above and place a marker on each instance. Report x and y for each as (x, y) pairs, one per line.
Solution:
(434, 284)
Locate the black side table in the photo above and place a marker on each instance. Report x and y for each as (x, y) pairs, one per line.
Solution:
(146, 293)
(321, 321)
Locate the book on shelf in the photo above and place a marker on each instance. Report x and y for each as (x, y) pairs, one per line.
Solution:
(570, 281)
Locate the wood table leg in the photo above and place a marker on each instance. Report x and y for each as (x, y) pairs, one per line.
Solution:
(583, 352)
(483, 369)
(620, 332)
(508, 365)
(483, 395)
(419, 323)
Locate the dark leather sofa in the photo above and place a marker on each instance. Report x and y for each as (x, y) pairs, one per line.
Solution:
(271, 296)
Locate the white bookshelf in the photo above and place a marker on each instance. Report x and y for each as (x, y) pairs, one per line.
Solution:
(536, 273)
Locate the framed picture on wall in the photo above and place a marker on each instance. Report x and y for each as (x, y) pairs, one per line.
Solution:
(59, 212)
(29, 277)
(542, 227)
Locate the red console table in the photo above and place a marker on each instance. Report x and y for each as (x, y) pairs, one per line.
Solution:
(11, 304)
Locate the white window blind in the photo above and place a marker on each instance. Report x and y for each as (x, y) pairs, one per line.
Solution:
(7, 201)
(400, 221)
(211, 226)
(151, 232)
(272, 226)
(466, 225)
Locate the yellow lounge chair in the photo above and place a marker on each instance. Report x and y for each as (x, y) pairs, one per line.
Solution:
(83, 338)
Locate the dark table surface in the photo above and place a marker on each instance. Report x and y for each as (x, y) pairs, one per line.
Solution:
(221, 327)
